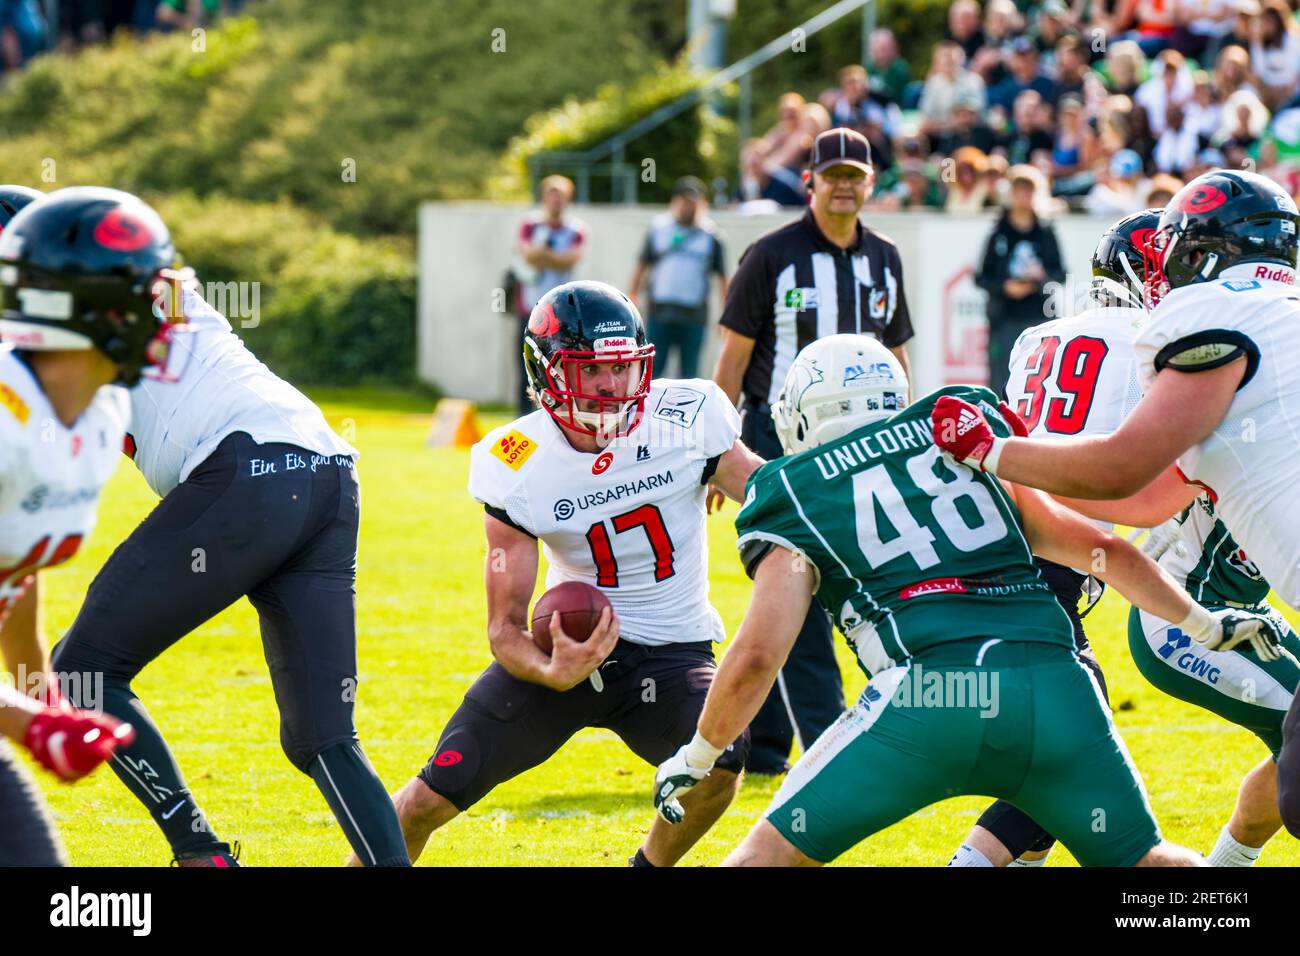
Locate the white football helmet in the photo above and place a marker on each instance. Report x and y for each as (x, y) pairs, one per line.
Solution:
(837, 384)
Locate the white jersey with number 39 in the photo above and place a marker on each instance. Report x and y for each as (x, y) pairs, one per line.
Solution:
(629, 520)
(1251, 462)
(50, 475)
(1076, 376)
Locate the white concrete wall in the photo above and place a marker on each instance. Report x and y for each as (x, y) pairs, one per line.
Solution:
(470, 351)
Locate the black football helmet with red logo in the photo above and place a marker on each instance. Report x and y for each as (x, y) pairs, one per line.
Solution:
(1221, 220)
(578, 334)
(1118, 262)
(14, 198)
(91, 268)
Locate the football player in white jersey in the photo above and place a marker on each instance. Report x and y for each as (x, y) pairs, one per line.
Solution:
(61, 425)
(610, 474)
(259, 499)
(1075, 376)
(1219, 360)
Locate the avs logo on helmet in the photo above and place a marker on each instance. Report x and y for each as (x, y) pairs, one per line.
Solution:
(1204, 199)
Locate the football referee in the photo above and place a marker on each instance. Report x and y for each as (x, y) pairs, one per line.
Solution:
(823, 274)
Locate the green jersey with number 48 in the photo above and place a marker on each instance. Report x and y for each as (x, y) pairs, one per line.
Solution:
(910, 548)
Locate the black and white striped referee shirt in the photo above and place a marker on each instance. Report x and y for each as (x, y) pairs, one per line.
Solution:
(794, 286)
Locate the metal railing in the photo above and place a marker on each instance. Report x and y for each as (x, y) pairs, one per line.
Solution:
(625, 176)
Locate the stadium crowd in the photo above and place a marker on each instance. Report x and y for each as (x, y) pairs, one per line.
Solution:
(1109, 106)
(29, 28)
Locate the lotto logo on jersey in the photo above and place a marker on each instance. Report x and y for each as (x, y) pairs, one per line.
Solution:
(514, 449)
(12, 401)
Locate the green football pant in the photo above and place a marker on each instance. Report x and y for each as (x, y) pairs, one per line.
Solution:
(1024, 722)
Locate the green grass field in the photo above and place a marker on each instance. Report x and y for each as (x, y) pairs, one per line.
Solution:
(422, 641)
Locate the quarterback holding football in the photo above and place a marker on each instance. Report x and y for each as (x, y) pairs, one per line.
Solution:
(610, 475)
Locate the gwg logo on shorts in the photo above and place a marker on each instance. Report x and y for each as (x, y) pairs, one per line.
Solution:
(1188, 660)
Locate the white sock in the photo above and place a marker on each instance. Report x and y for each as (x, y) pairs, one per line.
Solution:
(1228, 852)
(968, 856)
(1021, 861)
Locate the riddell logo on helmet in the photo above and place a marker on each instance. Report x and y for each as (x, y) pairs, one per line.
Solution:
(122, 232)
(614, 344)
(1279, 274)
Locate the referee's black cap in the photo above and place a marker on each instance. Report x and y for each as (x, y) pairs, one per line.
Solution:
(840, 147)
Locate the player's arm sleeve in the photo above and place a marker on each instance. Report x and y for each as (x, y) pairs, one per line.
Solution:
(769, 519)
(1186, 334)
(899, 329)
(494, 484)
(717, 425)
(749, 307)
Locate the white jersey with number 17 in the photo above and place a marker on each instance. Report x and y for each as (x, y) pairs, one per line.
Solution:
(629, 520)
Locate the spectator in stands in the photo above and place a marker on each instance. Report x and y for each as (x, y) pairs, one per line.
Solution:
(1178, 145)
(996, 179)
(1275, 53)
(1071, 68)
(1025, 74)
(970, 190)
(1149, 22)
(913, 185)
(1161, 190)
(1140, 138)
(1203, 112)
(964, 27)
(1170, 83)
(1075, 148)
(871, 113)
(1050, 27)
(1123, 188)
(773, 163)
(1201, 25)
(681, 252)
(889, 71)
(1244, 120)
(967, 128)
(549, 246)
(1020, 258)
(1232, 72)
(1125, 66)
(1002, 23)
(948, 80)
(1029, 133)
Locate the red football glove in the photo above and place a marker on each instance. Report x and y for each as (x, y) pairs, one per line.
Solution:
(960, 429)
(71, 743)
(1018, 426)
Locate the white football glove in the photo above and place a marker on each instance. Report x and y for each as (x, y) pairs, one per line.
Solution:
(1163, 537)
(1227, 629)
(679, 773)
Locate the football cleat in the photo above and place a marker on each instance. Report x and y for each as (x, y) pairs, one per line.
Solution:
(223, 855)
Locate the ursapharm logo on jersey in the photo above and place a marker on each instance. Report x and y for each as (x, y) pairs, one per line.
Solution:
(565, 508)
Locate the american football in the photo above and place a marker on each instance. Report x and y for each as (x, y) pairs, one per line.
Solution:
(915, 383)
(579, 606)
